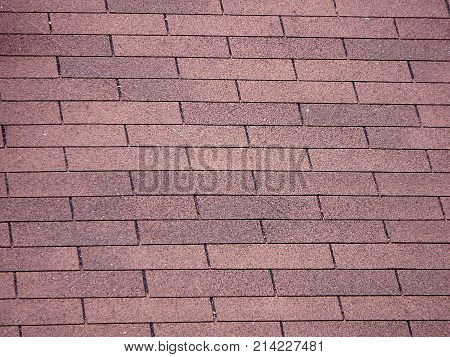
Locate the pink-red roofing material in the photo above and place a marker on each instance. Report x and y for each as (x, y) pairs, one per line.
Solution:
(224, 168)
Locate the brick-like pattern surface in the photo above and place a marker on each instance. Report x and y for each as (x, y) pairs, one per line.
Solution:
(128, 24)
(224, 168)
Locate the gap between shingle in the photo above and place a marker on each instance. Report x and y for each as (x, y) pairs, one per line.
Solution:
(166, 24)
(213, 308)
(5, 145)
(144, 280)
(152, 329)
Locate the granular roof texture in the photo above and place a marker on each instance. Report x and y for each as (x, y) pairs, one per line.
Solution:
(224, 168)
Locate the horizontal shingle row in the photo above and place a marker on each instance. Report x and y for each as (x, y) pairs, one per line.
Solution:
(304, 328)
(221, 114)
(235, 159)
(241, 47)
(201, 68)
(29, 234)
(221, 207)
(410, 8)
(224, 91)
(205, 283)
(228, 256)
(217, 25)
(132, 310)
(224, 167)
(55, 184)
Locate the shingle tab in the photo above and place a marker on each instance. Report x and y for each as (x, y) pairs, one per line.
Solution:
(224, 168)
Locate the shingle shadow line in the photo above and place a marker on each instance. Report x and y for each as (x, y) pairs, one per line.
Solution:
(232, 195)
(208, 269)
(119, 124)
(231, 269)
(409, 81)
(220, 13)
(181, 146)
(270, 242)
(231, 219)
(174, 296)
(212, 102)
(212, 171)
(248, 57)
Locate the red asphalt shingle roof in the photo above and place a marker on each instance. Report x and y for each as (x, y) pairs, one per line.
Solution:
(224, 167)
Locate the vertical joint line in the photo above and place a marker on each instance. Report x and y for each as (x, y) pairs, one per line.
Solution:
(83, 308)
(205, 247)
(177, 67)
(71, 208)
(138, 232)
(282, 26)
(221, 7)
(398, 282)
(366, 134)
(255, 185)
(144, 280)
(197, 210)
(309, 158)
(356, 92)
(188, 157)
(16, 286)
(302, 120)
(263, 231)
(247, 136)
(332, 256)
(429, 160)
(295, 69)
(119, 88)
(130, 176)
(345, 48)
(442, 208)
(410, 328)
(229, 47)
(20, 331)
(49, 22)
(213, 308)
(416, 108)
(4, 136)
(66, 160)
(7, 185)
(377, 186)
(60, 112)
(238, 90)
(411, 72)
(111, 44)
(273, 282)
(152, 330)
(166, 23)
(283, 334)
(386, 232)
(180, 107)
(11, 241)
(320, 207)
(80, 258)
(58, 67)
(396, 27)
(335, 6)
(127, 137)
(341, 307)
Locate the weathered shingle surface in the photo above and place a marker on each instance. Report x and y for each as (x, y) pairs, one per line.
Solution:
(224, 168)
